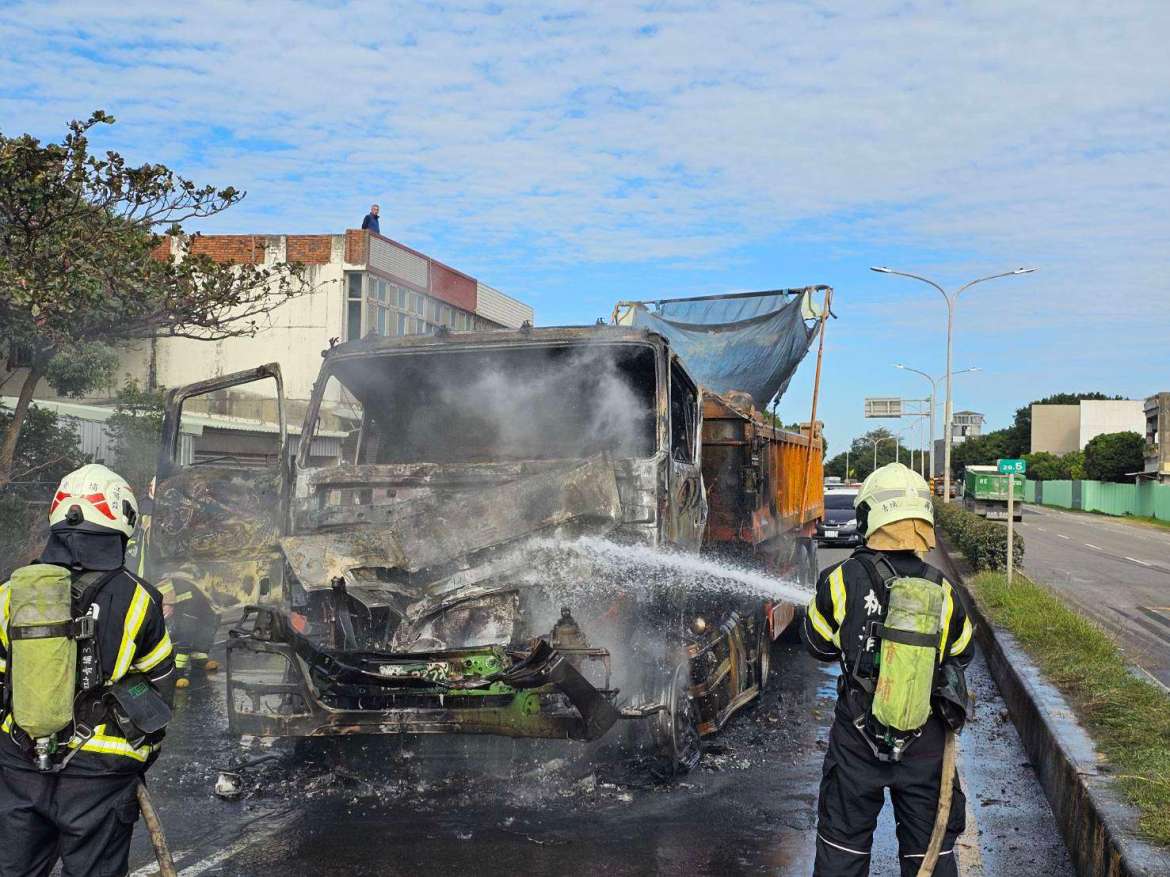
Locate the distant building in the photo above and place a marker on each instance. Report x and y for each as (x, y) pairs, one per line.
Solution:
(964, 425)
(362, 283)
(1157, 414)
(1062, 429)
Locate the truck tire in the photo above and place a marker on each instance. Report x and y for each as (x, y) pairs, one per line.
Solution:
(675, 731)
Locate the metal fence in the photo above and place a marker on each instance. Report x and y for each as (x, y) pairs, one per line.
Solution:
(1146, 499)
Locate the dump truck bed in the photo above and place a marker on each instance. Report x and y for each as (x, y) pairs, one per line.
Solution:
(763, 484)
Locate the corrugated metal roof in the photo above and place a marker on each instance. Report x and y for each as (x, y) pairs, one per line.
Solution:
(491, 304)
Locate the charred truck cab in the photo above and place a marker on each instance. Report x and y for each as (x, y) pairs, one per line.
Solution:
(428, 577)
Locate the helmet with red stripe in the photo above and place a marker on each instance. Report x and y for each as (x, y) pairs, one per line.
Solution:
(94, 498)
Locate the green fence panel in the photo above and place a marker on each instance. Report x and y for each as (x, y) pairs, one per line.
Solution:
(1160, 501)
(1029, 491)
(1111, 499)
(1058, 493)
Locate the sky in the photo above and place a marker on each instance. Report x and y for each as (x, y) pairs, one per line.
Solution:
(575, 154)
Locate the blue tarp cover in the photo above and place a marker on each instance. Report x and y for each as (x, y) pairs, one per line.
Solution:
(751, 343)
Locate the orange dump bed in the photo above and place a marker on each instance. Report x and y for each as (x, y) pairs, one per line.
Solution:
(763, 485)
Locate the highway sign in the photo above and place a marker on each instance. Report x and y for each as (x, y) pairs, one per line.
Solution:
(1008, 466)
(883, 406)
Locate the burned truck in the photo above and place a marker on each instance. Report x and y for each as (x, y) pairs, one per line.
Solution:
(485, 544)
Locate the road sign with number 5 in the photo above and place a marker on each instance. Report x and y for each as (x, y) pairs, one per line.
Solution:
(1011, 467)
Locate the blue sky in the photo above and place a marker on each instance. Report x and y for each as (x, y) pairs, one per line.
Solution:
(574, 154)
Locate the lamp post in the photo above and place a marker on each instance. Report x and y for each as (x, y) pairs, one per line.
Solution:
(877, 441)
(951, 300)
(933, 390)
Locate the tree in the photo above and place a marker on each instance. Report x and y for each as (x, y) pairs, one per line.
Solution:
(861, 455)
(1115, 456)
(1044, 466)
(136, 426)
(81, 272)
(981, 450)
(48, 448)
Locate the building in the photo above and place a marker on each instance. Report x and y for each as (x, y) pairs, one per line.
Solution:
(964, 425)
(360, 283)
(1062, 429)
(1156, 410)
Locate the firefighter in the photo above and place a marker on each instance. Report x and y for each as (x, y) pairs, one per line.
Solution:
(874, 743)
(88, 677)
(191, 620)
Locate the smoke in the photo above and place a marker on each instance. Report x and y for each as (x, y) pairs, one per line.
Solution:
(523, 403)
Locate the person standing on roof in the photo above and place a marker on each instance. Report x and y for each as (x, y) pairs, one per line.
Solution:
(88, 677)
(902, 637)
(371, 220)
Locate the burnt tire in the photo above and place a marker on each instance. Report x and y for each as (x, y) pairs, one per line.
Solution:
(675, 731)
(764, 654)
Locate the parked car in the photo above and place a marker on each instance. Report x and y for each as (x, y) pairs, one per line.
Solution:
(839, 525)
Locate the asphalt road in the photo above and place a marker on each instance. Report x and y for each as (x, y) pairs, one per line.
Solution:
(483, 806)
(1117, 572)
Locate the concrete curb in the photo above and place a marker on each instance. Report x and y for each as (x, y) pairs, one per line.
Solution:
(1098, 826)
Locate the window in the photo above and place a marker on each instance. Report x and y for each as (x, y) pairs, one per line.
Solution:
(683, 415)
(353, 307)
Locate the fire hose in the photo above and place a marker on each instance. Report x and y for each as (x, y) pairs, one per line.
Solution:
(942, 815)
(166, 864)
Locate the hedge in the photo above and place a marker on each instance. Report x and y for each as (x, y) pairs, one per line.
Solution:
(983, 542)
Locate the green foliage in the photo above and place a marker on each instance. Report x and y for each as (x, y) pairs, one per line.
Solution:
(861, 455)
(48, 448)
(76, 370)
(1044, 466)
(1109, 457)
(983, 542)
(136, 425)
(79, 262)
(1128, 718)
(981, 450)
(18, 518)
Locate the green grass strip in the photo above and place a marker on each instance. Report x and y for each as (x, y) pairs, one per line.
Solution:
(1127, 717)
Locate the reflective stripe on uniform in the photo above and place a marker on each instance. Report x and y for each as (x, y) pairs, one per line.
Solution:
(948, 611)
(817, 620)
(3, 666)
(6, 726)
(964, 638)
(5, 599)
(134, 618)
(107, 744)
(156, 655)
(823, 839)
(837, 592)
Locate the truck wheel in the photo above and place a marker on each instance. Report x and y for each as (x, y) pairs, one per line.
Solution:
(675, 730)
(764, 654)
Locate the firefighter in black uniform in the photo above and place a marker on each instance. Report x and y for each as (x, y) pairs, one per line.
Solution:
(75, 797)
(863, 760)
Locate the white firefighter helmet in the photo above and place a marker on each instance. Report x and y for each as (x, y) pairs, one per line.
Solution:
(893, 493)
(95, 498)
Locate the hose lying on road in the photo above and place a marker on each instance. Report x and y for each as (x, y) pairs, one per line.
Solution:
(942, 816)
(166, 865)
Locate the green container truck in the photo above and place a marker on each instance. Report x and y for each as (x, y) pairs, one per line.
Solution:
(985, 492)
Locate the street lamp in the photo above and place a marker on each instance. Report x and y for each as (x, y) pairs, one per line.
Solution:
(951, 301)
(933, 390)
(877, 441)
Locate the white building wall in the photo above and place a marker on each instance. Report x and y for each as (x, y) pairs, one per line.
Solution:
(293, 335)
(1100, 416)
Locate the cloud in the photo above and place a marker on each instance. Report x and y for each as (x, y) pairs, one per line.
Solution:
(591, 139)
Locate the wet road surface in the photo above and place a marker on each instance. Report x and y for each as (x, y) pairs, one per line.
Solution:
(1116, 572)
(487, 806)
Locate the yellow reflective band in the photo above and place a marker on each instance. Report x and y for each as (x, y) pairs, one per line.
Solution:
(106, 744)
(837, 592)
(3, 666)
(166, 588)
(5, 598)
(964, 638)
(818, 622)
(134, 618)
(156, 655)
(948, 611)
(7, 725)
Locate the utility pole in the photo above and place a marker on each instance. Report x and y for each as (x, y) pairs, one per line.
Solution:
(951, 300)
